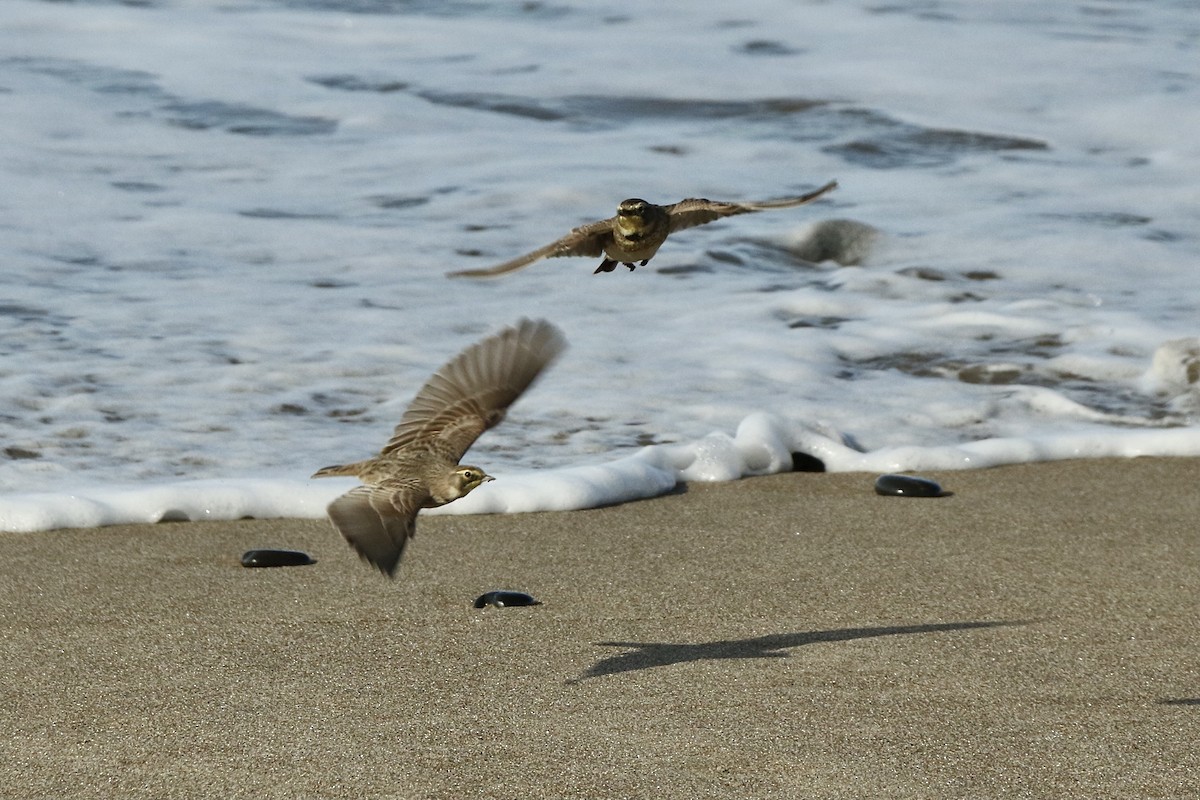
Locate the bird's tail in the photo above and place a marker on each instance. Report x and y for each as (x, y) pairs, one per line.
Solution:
(339, 469)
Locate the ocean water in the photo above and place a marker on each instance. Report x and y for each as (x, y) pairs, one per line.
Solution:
(225, 228)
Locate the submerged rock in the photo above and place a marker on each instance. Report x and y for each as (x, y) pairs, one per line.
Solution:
(503, 597)
(276, 558)
(844, 241)
(907, 486)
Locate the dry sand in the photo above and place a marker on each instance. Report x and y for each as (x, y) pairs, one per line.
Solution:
(1034, 635)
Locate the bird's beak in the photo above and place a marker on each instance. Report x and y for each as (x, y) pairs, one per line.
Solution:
(487, 478)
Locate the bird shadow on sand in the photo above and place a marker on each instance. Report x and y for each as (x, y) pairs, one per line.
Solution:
(645, 655)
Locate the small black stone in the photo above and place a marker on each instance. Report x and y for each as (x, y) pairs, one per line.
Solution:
(502, 597)
(276, 558)
(907, 486)
(803, 462)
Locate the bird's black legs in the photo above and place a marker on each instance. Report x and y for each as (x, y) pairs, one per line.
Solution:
(608, 265)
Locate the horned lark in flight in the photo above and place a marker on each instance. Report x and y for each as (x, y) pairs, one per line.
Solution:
(634, 235)
(418, 467)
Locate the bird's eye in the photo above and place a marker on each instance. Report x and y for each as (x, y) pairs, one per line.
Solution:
(469, 474)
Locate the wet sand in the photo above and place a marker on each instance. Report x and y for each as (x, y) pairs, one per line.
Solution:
(1036, 634)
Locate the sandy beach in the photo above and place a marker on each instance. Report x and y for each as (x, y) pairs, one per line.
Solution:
(1033, 635)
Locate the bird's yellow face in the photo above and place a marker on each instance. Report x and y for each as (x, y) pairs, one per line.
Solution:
(468, 478)
(631, 215)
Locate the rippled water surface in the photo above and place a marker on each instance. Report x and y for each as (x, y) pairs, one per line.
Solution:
(226, 228)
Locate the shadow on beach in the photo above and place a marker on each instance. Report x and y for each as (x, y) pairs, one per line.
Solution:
(645, 655)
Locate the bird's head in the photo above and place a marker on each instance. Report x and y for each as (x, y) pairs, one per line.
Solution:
(631, 215)
(466, 478)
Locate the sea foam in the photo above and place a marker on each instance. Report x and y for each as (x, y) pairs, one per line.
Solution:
(227, 226)
(762, 445)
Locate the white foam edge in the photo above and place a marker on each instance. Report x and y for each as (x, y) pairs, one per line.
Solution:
(763, 444)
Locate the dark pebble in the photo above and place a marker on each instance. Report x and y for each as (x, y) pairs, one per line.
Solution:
(276, 558)
(502, 598)
(803, 462)
(907, 486)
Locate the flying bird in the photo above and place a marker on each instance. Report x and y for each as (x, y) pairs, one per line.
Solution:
(418, 467)
(634, 235)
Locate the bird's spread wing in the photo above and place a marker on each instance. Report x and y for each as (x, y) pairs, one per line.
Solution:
(474, 389)
(378, 521)
(693, 211)
(586, 240)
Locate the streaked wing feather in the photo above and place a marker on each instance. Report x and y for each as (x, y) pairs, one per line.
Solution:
(378, 521)
(472, 391)
(586, 240)
(697, 211)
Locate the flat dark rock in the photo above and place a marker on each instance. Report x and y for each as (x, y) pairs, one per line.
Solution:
(276, 558)
(502, 597)
(908, 486)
